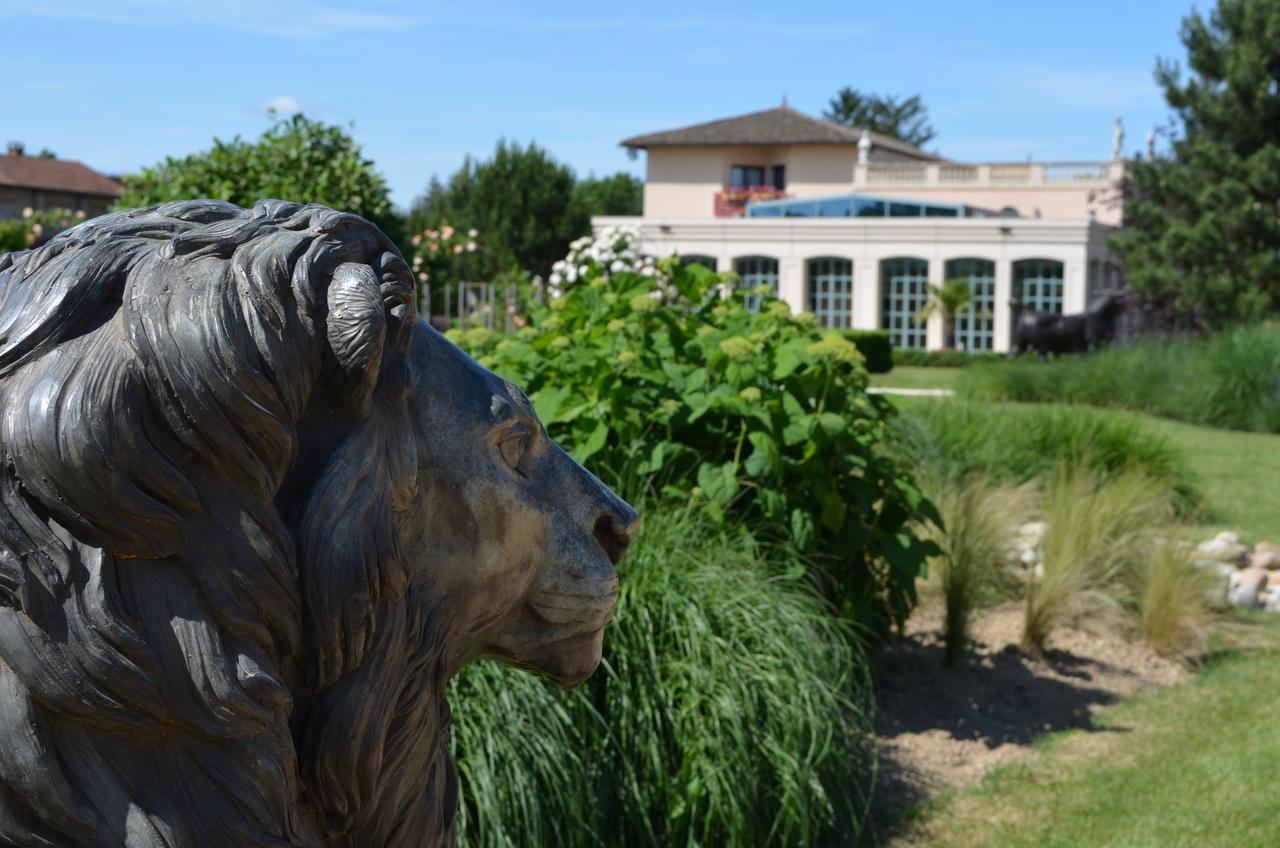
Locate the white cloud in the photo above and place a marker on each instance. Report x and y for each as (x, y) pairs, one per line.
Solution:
(284, 105)
(279, 18)
(742, 25)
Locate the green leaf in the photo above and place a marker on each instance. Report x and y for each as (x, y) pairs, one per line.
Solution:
(796, 431)
(774, 505)
(834, 511)
(718, 482)
(802, 532)
(594, 442)
(548, 403)
(766, 458)
(831, 423)
(789, 357)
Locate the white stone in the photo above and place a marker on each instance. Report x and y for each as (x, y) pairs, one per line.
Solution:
(1245, 588)
(1225, 547)
(1032, 530)
(1266, 555)
(1220, 585)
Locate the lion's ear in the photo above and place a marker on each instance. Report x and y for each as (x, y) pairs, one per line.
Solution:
(357, 324)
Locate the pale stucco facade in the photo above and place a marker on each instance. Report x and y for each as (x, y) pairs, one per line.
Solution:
(867, 244)
(683, 181)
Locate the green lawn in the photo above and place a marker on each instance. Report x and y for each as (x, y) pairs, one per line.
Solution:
(1187, 767)
(916, 377)
(1238, 473)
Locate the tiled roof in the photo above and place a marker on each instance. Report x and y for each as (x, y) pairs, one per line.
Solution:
(778, 126)
(35, 172)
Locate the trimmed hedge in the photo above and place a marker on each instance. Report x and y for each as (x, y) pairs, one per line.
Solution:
(944, 358)
(875, 347)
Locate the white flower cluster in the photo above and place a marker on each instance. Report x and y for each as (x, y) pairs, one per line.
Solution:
(613, 250)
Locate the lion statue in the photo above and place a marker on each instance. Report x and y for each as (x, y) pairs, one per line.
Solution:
(254, 513)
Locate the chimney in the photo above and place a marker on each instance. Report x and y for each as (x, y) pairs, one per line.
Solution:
(16, 148)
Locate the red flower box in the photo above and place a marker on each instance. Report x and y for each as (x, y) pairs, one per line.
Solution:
(732, 202)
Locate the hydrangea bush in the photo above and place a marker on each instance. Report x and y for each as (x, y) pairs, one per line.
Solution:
(667, 386)
(614, 250)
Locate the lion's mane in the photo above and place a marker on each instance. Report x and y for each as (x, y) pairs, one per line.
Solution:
(206, 637)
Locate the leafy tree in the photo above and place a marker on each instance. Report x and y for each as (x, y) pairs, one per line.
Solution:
(296, 159)
(948, 300)
(521, 199)
(905, 119)
(619, 194)
(1202, 224)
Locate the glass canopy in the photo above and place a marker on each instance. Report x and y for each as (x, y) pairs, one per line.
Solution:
(861, 206)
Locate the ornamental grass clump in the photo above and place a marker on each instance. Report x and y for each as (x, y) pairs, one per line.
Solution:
(980, 519)
(731, 708)
(1173, 600)
(1095, 533)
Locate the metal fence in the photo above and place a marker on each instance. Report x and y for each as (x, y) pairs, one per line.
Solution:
(488, 305)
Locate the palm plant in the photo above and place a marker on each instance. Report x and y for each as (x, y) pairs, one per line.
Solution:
(948, 300)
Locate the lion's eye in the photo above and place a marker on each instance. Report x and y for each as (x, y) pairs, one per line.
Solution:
(514, 447)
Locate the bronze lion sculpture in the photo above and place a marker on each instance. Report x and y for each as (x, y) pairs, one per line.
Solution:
(254, 513)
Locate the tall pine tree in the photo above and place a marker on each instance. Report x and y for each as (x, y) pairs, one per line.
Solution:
(1202, 223)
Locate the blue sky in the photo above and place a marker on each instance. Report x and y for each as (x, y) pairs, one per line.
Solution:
(120, 84)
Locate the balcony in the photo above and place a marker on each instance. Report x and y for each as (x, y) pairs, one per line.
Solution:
(732, 202)
(1013, 175)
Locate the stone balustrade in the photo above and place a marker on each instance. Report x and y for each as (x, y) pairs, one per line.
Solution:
(1000, 175)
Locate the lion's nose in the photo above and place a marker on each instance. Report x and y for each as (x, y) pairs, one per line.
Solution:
(615, 528)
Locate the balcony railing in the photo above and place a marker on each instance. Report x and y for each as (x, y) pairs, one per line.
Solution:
(1004, 175)
(732, 202)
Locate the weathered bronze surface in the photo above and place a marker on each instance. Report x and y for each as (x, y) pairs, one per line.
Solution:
(254, 514)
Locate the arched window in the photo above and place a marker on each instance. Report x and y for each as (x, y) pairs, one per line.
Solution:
(754, 272)
(831, 291)
(974, 323)
(697, 259)
(1037, 284)
(904, 290)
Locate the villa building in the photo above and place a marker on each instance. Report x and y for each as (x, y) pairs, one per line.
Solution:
(853, 226)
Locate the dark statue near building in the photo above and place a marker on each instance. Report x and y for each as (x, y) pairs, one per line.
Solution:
(1048, 332)
(253, 515)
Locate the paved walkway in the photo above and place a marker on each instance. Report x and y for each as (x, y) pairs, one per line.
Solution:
(890, 390)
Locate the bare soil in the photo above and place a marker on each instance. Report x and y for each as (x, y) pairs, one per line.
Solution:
(941, 729)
